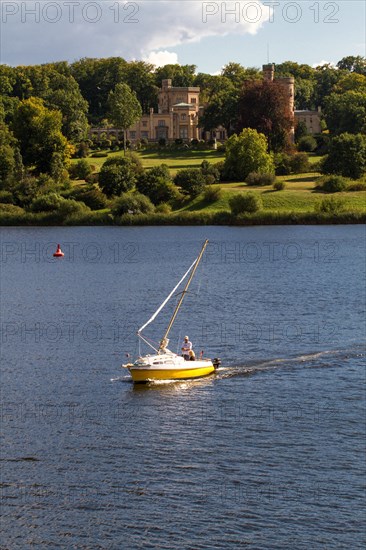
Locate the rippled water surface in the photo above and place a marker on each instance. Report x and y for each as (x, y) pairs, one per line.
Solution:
(266, 454)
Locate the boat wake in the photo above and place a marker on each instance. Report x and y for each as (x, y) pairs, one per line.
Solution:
(319, 359)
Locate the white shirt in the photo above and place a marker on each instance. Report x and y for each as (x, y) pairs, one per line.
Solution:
(186, 348)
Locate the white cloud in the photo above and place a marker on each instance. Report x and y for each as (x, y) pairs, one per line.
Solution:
(161, 58)
(323, 62)
(129, 29)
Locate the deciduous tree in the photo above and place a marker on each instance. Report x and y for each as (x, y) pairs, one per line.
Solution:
(245, 153)
(124, 108)
(263, 106)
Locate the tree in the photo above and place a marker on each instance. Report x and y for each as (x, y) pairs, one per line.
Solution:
(326, 78)
(346, 112)
(117, 176)
(157, 184)
(180, 75)
(140, 78)
(264, 106)
(38, 131)
(124, 108)
(245, 153)
(347, 156)
(191, 181)
(222, 107)
(96, 78)
(356, 64)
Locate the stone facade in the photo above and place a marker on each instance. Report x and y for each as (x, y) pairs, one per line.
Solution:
(179, 109)
(177, 116)
(312, 120)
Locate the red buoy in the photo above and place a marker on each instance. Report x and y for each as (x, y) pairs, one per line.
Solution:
(58, 253)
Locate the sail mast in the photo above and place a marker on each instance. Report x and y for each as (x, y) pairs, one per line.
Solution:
(163, 342)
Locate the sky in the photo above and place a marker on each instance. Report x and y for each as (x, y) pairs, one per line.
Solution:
(204, 33)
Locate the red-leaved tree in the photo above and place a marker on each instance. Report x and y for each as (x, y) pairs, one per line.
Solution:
(264, 106)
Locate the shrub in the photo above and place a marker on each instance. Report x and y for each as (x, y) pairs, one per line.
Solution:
(211, 172)
(220, 167)
(282, 164)
(157, 184)
(299, 163)
(301, 130)
(83, 150)
(178, 141)
(347, 156)
(69, 207)
(46, 203)
(307, 144)
(212, 194)
(134, 159)
(333, 184)
(330, 205)
(134, 203)
(92, 178)
(80, 170)
(254, 178)
(91, 196)
(279, 185)
(322, 144)
(163, 208)
(194, 142)
(6, 197)
(191, 181)
(360, 186)
(245, 202)
(119, 175)
(162, 142)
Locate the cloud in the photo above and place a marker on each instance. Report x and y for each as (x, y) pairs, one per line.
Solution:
(161, 58)
(323, 62)
(34, 32)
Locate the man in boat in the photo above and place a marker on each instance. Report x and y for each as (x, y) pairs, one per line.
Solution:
(186, 348)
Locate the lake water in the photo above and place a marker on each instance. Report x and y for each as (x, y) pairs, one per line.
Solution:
(266, 454)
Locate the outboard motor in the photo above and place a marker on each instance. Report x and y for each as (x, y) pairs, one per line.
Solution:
(216, 362)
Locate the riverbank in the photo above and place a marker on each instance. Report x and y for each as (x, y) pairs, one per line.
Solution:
(185, 219)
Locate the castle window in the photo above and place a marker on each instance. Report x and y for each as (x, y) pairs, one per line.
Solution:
(161, 122)
(145, 135)
(193, 100)
(183, 116)
(183, 132)
(144, 123)
(132, 135)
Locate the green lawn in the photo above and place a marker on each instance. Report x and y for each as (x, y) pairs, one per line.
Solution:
(175, 159)
(299, 194)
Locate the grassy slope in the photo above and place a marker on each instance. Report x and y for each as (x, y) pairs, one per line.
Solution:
(298, 196)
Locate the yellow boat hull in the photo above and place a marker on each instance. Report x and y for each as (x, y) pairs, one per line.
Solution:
(148, 375)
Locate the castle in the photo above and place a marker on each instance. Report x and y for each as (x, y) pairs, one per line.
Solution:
(179, 109)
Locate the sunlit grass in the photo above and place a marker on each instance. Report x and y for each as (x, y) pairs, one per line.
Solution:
(300, 193)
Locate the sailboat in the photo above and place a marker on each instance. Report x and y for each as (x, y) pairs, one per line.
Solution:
(164, 364)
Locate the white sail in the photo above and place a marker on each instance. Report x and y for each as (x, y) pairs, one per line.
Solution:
(167, 299)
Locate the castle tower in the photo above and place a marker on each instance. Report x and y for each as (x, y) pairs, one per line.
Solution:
(268, 72)
(288, 85)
